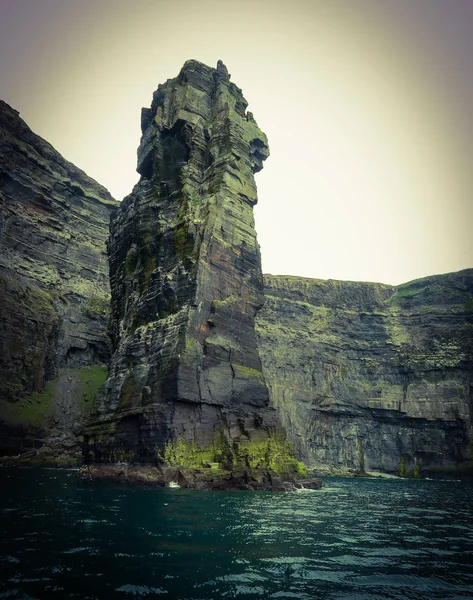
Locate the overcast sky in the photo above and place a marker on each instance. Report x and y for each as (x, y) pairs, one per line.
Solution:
(367, 105)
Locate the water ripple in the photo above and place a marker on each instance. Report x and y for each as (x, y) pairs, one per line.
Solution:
(353, 540)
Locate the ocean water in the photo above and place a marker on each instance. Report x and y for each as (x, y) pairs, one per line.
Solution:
(357, 539)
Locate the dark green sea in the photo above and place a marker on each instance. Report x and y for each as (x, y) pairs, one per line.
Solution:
(357, 539)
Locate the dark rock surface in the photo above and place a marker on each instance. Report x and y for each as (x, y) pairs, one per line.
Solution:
(198, 479)
(186, 385)
(370, 377)
(54, 294)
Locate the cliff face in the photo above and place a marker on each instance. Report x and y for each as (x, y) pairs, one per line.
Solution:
(372, 377)
(364, 376)
(54, 292)
(186, 383)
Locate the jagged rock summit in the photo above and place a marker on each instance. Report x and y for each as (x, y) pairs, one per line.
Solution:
(186, 387)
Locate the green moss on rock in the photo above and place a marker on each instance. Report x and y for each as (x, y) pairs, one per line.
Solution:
(248, 373)
(33, 410)
(402, 467)
(272, 454)
(40, 407)
(97, 307)
(91, 379)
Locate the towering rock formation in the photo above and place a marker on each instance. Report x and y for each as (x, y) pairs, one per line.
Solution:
(365, 377)
(54, 293)
(373, 377)
(185, 383)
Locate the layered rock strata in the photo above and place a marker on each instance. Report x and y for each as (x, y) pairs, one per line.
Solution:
(365, 376)
(186, 386)
(370, 377)
(54, 294)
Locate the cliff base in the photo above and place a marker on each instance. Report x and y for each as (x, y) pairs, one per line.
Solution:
(210, 478)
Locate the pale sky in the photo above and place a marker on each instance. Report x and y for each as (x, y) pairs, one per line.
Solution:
(367, 105)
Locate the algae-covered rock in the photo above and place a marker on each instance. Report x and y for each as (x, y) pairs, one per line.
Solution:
(186, 285)
(54, 292)
(371, 377)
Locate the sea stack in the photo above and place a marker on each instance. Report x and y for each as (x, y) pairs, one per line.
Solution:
(186, 388)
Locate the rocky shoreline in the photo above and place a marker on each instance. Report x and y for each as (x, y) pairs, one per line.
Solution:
(199, 479)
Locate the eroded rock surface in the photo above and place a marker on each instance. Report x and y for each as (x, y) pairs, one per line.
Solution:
(370, 377)
(186, 385)
(54, 293)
